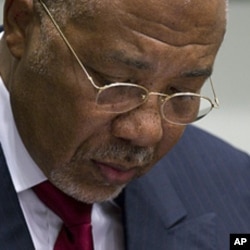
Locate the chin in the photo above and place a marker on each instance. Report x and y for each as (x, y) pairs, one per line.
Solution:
(89, 193)
(94, 195)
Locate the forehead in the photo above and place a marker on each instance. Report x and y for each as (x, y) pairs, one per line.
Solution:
(129, 30)
(177, 18)
(175, 14)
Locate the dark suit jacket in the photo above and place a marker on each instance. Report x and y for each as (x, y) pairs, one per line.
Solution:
(191, 200)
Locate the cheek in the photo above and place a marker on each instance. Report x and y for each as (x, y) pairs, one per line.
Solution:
(70, 129)
(54, 120)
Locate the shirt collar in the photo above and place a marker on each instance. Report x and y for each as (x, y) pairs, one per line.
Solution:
(23, 170)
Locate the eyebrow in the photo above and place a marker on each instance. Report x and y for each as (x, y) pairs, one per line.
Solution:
(205, 72)
(121, 57)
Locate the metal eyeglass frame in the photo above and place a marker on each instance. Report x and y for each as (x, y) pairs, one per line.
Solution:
(145, 97)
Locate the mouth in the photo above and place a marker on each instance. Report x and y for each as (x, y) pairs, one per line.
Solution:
(115, 174)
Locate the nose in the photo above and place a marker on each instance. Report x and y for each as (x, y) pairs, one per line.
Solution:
(142, 126)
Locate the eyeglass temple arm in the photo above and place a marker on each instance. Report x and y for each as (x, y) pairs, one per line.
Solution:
(67, 43)
(216, 99)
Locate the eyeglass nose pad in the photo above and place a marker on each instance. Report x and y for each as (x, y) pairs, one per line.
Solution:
(162, 99)
(217, 102)
(144, 97)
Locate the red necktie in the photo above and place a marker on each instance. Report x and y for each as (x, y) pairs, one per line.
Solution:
(76, 230)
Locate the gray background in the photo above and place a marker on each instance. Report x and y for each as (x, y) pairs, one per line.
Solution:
(232, 80)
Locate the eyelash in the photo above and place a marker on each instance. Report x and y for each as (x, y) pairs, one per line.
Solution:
(103, 80)
(172, 90)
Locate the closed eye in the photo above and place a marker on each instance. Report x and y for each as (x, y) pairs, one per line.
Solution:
(103, 79)
(173, 90)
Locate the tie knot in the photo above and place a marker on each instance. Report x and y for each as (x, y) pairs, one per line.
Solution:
(71, 211)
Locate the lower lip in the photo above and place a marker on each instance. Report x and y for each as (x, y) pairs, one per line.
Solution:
(115, 176)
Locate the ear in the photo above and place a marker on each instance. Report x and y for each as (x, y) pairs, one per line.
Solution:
(18, 15)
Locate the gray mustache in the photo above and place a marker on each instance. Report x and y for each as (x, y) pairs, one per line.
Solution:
(124, 153)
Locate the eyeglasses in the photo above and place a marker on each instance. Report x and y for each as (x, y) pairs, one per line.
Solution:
(179, 108)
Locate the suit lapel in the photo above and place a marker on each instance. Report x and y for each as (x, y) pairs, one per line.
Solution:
(148, 212)
(14, 233)
(155, 217)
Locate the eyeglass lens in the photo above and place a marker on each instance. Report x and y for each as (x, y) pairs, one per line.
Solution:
(181, 108)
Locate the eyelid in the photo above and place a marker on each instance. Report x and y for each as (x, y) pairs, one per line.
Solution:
(180, 89)
(108, 79)
(191, 85)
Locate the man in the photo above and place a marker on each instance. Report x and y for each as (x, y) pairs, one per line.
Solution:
(100, 91)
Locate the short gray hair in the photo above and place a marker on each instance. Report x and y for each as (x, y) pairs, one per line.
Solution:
(62, 10)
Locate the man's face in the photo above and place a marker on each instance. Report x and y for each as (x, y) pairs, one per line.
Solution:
(165, 46)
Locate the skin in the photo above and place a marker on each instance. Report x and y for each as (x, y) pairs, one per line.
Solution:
(89, 154)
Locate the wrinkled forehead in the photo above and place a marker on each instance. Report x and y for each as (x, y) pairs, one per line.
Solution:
(166, 10)
(152, 32)
(170, 17)
(176, 13)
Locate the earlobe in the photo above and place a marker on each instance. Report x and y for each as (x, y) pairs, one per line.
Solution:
(17, 18)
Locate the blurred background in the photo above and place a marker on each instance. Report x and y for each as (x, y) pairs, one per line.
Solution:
(231, 78)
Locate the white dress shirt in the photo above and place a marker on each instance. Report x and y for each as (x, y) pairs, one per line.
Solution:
(42, 223)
